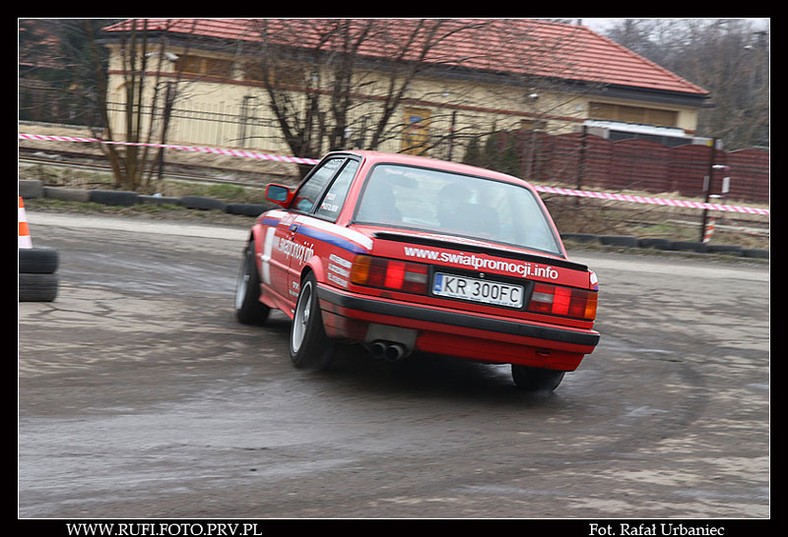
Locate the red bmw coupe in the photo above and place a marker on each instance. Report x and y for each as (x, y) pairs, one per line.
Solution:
(406, 254)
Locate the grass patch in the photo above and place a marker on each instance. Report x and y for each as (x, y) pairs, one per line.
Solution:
(225, 192)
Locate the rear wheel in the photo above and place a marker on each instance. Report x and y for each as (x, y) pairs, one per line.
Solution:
(536, 379)
(248, 308)
(309, 345)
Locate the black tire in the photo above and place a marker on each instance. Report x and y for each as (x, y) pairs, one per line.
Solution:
(202, 203)
(310, 348)
(114, 197)
(756, 253)
(159, 200)
(657, 244)
(688, 246)
(579, 237)
(37, 287)
(31, 189)
(618, 240)
(729, 249)
(39, 260)
(66, 194)
(245, 209)
(536, 379)
(248, 308)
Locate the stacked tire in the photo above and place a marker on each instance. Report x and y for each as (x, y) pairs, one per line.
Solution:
(38, 278)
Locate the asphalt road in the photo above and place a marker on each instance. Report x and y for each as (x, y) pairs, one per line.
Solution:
(141, 397)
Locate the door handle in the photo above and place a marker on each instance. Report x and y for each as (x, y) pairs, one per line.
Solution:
(293, 228)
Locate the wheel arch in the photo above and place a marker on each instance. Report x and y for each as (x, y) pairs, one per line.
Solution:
(257, 234)
(315, 265)
(257, 237)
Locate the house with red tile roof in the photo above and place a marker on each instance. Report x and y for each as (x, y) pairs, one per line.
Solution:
(456, 78)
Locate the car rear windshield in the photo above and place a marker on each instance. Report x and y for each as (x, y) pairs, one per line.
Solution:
(439, 201)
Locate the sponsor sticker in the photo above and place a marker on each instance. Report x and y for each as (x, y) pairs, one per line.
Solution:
(338, 270)
(518, 268)
(290, 248)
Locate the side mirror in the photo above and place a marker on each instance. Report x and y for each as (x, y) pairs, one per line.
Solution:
(278, 194)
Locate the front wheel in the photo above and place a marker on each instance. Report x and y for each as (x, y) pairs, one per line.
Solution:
(536, 379)
(248, 308)
(309, 345)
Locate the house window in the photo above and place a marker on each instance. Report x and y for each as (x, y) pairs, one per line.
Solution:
(633, 114)
(416, 133)
(280, 73)
(253, 71)
(533, 125)
(203, 65)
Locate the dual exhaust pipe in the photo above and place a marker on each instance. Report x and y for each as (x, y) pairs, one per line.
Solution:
(388, 350)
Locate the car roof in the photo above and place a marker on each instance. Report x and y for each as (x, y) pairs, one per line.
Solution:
(378, 157)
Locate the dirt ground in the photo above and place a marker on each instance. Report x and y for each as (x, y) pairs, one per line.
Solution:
(140, 396)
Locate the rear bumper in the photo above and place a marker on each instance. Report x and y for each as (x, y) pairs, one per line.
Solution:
(459, 334)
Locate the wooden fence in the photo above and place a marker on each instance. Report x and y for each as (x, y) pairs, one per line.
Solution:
(593, 162)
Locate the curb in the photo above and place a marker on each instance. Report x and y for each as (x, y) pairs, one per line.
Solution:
(34, 189)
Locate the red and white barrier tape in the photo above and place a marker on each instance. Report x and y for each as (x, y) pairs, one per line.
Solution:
(212, 150)
(631, 198)
(651, 201)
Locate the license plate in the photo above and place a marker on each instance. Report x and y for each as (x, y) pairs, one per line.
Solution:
(476, 290)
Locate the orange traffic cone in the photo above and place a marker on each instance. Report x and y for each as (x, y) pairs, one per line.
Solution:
(24, 231)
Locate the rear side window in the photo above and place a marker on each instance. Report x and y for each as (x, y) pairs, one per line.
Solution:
(309, 193)
(335, 197)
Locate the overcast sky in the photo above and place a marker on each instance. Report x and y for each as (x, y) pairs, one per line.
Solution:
(601, 25)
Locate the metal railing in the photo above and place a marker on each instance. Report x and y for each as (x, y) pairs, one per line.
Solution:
(573, 160)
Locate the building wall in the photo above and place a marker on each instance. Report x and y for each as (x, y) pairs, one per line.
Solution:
(229, 111)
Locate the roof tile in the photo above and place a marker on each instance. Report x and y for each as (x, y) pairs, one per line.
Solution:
(516, 46)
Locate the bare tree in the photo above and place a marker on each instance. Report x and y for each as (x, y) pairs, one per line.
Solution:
(336, 83)
(728, 57)
(324, 88)
(78, 70)
(134, 144)
(58, 58)
(150, 90)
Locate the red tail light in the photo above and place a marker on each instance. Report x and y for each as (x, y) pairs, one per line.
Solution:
(564, 301)
(389, 274)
